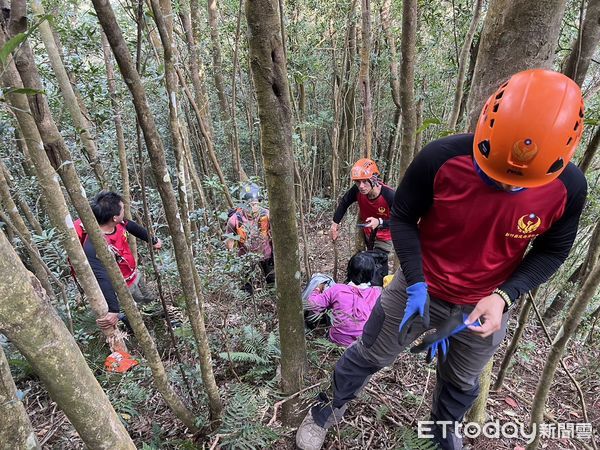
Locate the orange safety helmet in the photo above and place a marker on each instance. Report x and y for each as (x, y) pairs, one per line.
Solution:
(364, 169)
(529, 128)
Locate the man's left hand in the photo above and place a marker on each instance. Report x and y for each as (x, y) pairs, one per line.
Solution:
(489, 310)
(158, 244)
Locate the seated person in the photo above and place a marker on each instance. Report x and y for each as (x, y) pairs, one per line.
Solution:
(351, 303)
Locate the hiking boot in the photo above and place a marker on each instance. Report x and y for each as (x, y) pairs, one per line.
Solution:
(310, 436)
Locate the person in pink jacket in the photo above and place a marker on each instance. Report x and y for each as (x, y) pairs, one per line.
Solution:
(351, 303)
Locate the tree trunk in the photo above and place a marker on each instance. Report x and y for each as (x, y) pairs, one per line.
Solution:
(585, 45)
(581, 273)
(122, 152)
(463, 61)
(81, 123)
(270, 78)
(407, 87)
(220, 85)
(561, 299)
(56, 204)
(162, 14)
(365, 80)
(504, 50)
(15, 427)
(477, 412)
(58, 152)
(559, 345)
(514, 343)
(31, 323)
(17, 220)
(158, 162)
(590, 151)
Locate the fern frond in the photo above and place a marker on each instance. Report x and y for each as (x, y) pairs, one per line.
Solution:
(243, 357)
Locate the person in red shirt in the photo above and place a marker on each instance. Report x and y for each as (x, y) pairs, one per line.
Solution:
(477, 221)
(374, 199)
(109, 211)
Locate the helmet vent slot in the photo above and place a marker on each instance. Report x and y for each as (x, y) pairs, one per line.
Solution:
(484, 148)
(576, 126)
(570, 140)
(496, 106)
(556, 166)
(499, 94)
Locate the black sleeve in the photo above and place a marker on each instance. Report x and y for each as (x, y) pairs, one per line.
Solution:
(138, 231)
(414, 197)
(551, 249)
(388, 194)
(102, 276)
(348, 198)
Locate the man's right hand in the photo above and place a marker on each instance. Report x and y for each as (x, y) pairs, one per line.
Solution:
(334, 231)
(108, 321)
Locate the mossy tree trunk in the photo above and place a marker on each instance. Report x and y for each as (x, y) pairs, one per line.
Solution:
(585, 45)
(269, 71)
(154, 145)
(407, 86)
(15, 427)
(81, 123)
(32, 325)
(463, 64)
(58, 152)
(559, 345)
(517, 35)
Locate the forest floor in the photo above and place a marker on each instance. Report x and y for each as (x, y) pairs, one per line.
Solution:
(383, 417)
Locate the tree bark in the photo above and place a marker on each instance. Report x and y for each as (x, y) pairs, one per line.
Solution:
(477, 412)
(17, 220)
(122, 151)
(82, 125)
(56, 204)
(590, 151)
(158, 162)
(463, 61)
(15, 427)
(561, 299)
(585, 45)
(514, 343)
(559, 345)
(58, 152)
(31, 323)
(220, 85)
(504, 50)
(407, 87)
(270, 77)
(365, 80)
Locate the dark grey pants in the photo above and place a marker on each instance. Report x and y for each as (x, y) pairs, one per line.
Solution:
(457, 376)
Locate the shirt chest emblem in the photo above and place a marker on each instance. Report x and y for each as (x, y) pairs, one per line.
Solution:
(526, 227)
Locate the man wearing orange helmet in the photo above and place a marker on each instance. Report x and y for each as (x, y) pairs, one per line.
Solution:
(462, 220)
(374, 202)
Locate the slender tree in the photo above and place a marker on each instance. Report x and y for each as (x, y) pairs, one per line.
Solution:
(407, 87)
(365, 79)
(559, 345)
(154, 145)
(270, 78)
(463, 64)
(15, 427)
(79, 120)
(585, 45)
(30, 322)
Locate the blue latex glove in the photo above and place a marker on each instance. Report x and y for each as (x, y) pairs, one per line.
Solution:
(417, 305)
(438, 343)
